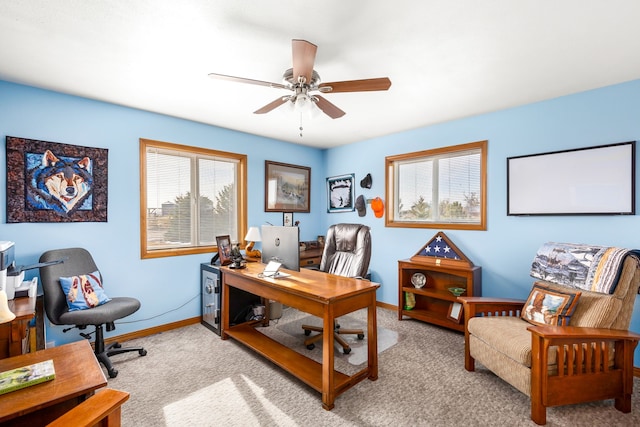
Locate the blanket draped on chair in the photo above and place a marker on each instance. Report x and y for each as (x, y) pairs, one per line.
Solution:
(587, 267)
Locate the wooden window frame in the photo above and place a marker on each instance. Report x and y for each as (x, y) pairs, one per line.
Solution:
(241, 188)
(390, 187)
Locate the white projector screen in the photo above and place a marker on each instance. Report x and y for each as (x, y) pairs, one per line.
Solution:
(587, 181)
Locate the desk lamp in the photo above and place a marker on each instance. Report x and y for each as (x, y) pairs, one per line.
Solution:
(253, 235)
(5, 314)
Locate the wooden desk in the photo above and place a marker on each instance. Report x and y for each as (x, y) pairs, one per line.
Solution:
(320, 294)
(78, 375)
(13, 335)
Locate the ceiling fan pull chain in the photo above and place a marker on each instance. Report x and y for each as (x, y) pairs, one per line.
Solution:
(300, 124)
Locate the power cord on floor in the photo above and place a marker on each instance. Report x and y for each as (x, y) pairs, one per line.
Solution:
(284, 311)
(161, 314)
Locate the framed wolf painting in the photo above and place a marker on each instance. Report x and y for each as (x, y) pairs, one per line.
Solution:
(54, 182)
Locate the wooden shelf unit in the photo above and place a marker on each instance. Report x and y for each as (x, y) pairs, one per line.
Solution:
(433, 301)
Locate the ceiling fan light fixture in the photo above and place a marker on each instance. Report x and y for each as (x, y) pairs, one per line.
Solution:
(303, 80)
(305, 104)
(302, 102)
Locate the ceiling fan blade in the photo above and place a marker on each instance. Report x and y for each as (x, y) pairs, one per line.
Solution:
(328, 108)
(304, 55)
(244, 80)
(272, 105)
(382, 83)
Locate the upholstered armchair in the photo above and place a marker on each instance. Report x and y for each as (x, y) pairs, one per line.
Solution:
(576, 349)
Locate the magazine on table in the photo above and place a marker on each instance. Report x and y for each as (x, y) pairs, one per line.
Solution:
(25, 376)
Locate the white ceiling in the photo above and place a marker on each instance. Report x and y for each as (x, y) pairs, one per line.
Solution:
(445, 59)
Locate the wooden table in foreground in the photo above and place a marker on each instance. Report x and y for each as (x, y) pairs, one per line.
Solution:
(78, 375)
(320, 294)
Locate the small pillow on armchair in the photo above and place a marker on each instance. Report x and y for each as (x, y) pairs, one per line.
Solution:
(546, 306)
(83, 291)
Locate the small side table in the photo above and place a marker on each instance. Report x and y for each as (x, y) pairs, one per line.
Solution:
(14, 335)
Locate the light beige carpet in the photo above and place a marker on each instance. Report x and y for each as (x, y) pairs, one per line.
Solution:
(291, 325)
(191, 377)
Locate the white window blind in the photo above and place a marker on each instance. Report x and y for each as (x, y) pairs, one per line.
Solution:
(440, 187)
(191, 197)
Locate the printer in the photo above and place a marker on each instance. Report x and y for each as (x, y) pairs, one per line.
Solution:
(7, 259)
(12, 276)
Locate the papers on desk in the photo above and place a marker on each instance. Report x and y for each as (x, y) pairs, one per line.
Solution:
(280, 275)
(272, 270)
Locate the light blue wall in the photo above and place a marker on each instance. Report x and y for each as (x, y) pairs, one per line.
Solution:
(504, 251)
(165, 285)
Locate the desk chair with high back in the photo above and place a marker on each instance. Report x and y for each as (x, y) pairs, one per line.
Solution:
(87, 304)
(347, 251)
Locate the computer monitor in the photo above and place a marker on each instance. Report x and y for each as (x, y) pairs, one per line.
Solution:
(281, 244)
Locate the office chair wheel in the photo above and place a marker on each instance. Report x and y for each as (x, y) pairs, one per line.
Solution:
(142, 352)
(113, 373)
(116, 345)
(346, 350)
(311, 346)
(307, 332)
(360, 336)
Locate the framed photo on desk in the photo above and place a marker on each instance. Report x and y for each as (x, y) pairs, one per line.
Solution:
(224, 249)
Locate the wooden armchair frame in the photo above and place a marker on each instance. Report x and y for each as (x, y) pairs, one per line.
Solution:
(584, 371)
(103, 409)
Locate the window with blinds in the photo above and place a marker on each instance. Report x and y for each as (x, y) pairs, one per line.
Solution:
(189, 195)
(440, 188)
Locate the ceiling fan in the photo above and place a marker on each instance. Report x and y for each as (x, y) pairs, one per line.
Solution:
(303, 79)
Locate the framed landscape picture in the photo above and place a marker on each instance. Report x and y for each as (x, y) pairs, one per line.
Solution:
(286, 187)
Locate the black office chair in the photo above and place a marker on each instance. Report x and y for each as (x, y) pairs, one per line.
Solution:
(347, 251)
(78, 261)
